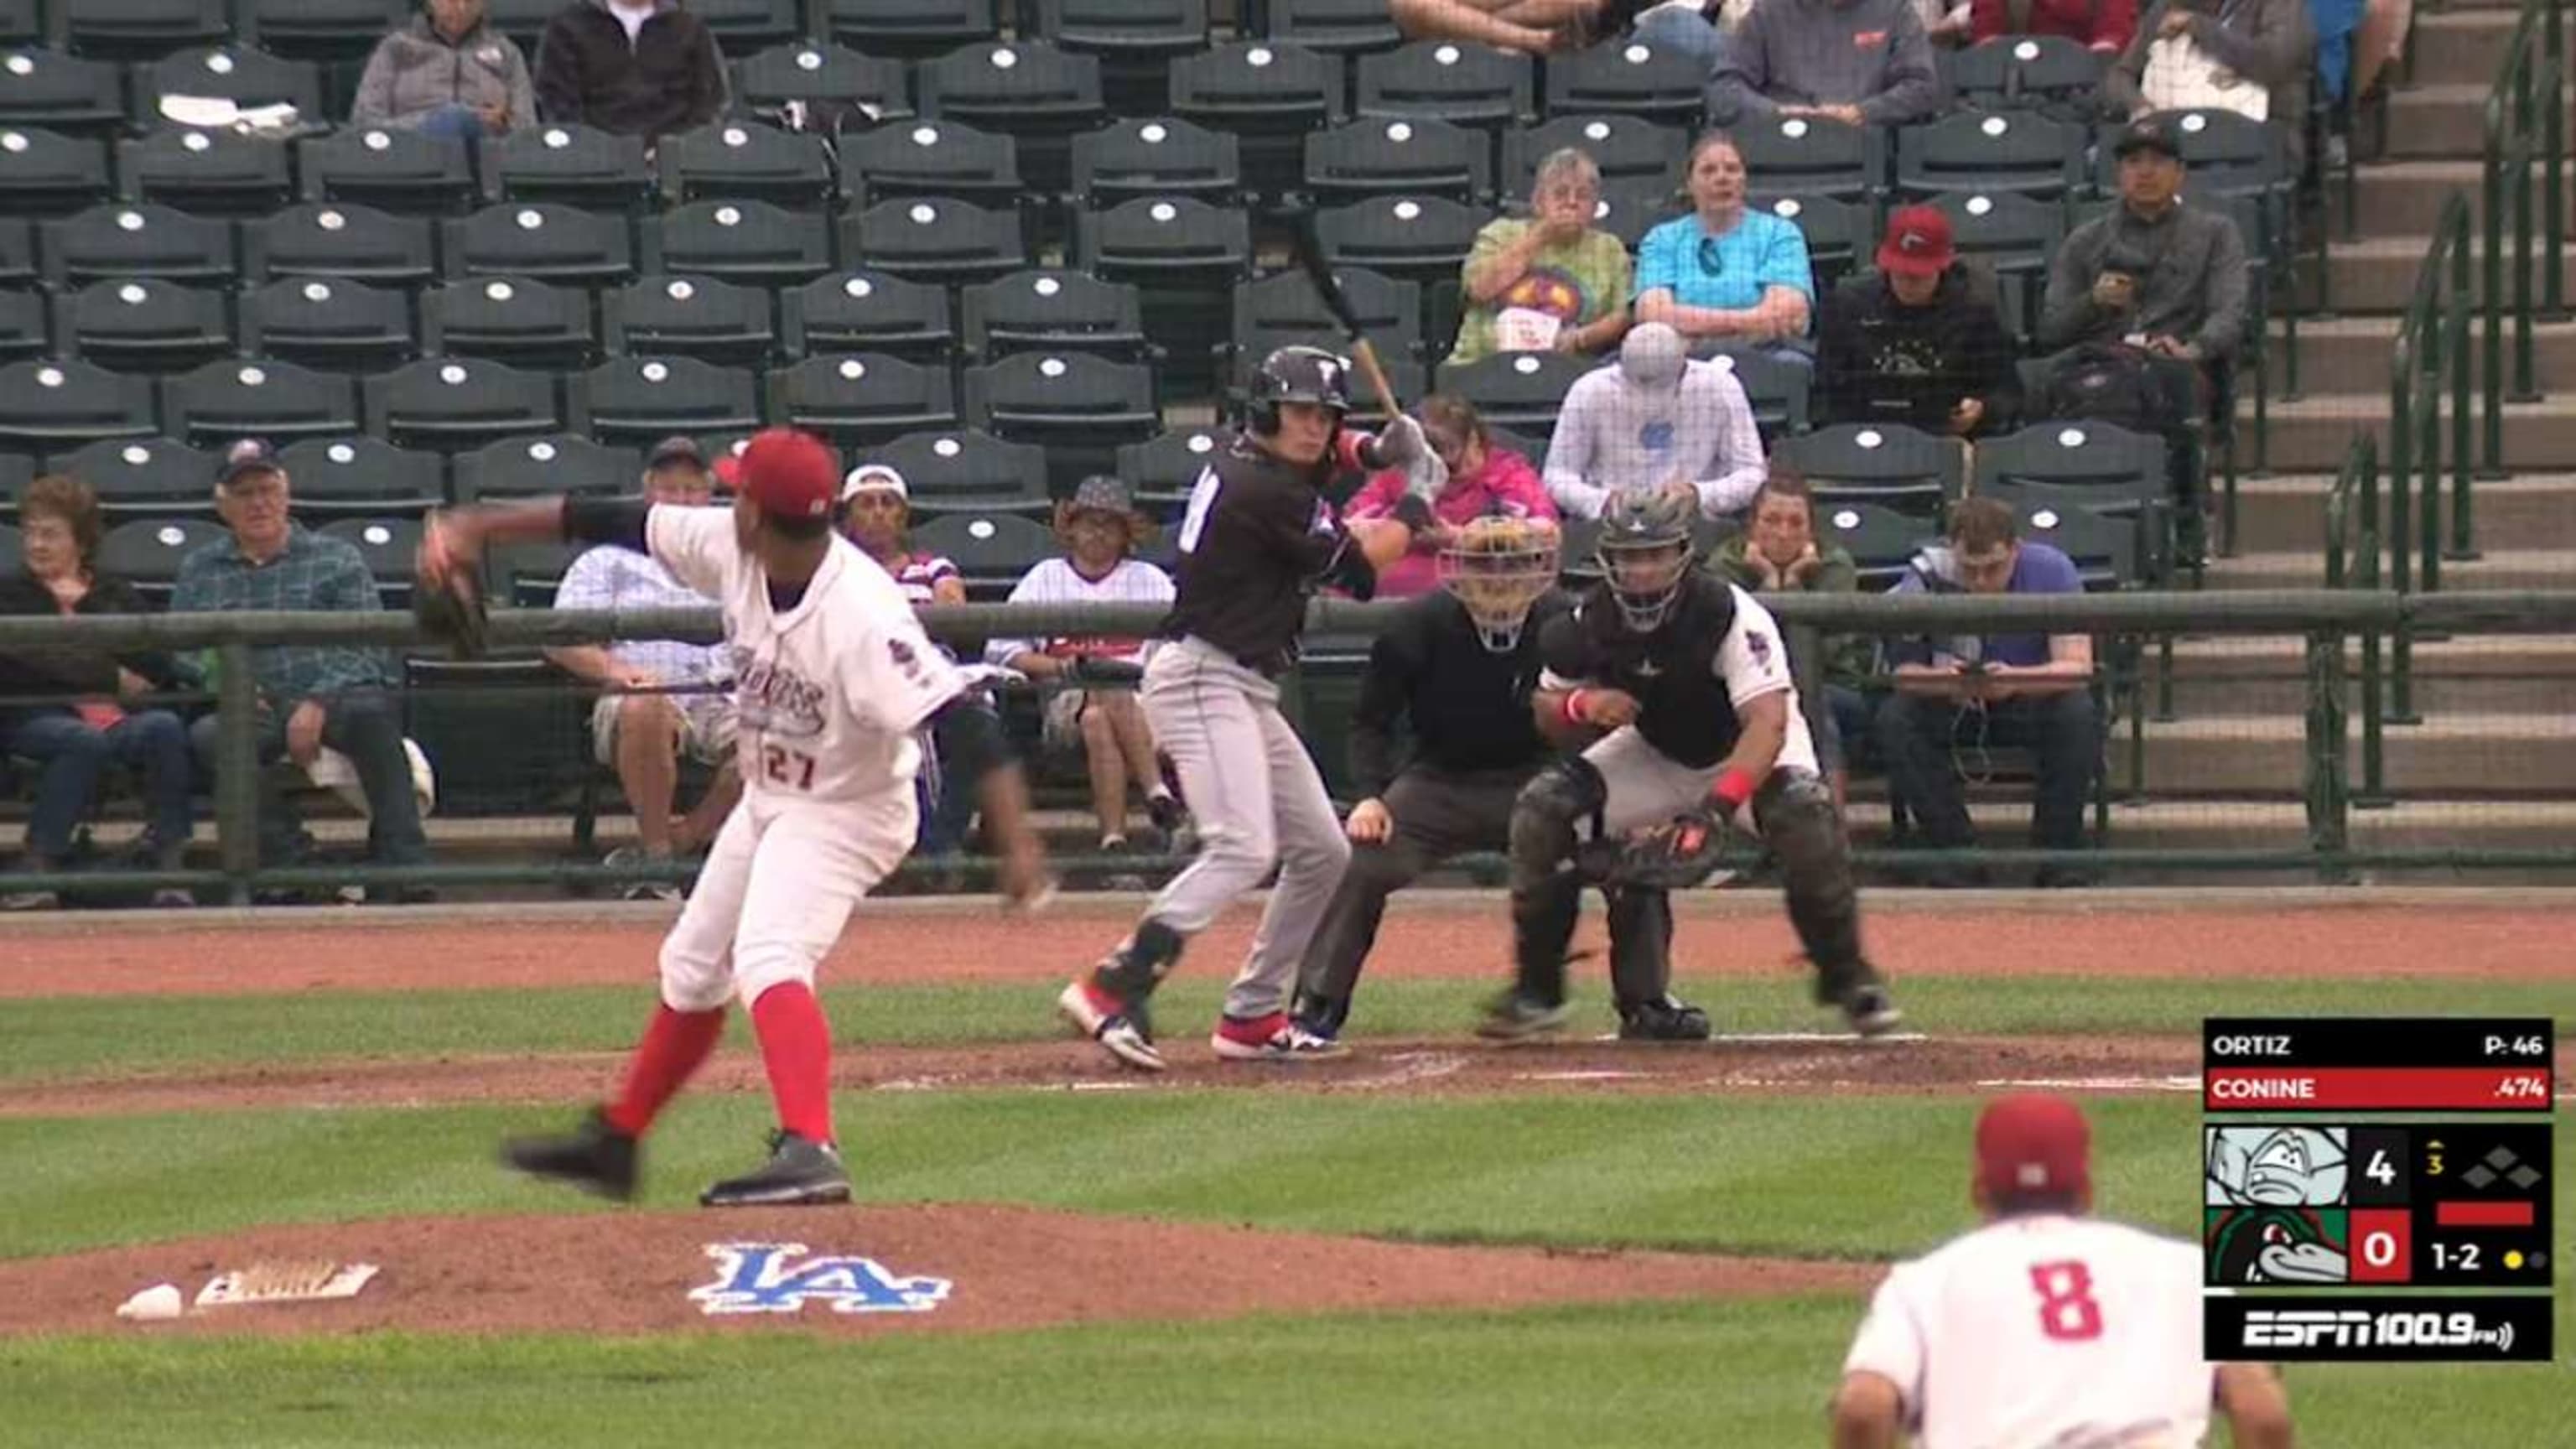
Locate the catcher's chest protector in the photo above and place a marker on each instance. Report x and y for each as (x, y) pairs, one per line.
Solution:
(1683, 708)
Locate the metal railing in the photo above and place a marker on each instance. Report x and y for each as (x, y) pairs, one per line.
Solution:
(2353, 562)
(2429, 366)
(2526, 130)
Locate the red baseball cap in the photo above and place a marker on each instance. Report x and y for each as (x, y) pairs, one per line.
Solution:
(2031, 1142)
(790, 474)
(1917, 243)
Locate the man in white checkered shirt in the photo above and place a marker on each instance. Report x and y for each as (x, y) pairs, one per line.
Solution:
(658, 697)
(1655, 417)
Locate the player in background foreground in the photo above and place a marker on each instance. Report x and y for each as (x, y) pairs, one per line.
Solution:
(833, 674)
(2046, 1328)
(1255, 541)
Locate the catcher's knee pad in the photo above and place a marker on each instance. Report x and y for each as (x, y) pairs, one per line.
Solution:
(1805, 833)
(1641, 942)
(1545, 816)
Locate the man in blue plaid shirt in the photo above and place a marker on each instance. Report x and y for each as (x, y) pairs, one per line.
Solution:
(308, 697)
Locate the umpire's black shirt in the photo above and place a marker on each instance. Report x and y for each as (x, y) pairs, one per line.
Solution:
(1469, 706)
(1254, 542)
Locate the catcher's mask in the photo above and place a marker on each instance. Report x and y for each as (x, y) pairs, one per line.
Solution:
(1497, 568)
(1645, 552)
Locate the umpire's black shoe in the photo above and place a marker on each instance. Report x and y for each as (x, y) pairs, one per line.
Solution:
(800, 1171)
(1514, 1017)
(594, 1157)
(1667, 1019)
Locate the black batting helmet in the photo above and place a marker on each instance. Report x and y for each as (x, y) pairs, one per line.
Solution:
(1637, 525)
(1298, 375)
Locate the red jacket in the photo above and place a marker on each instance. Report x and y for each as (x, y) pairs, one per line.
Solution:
(1506, 484)
(2101, 24)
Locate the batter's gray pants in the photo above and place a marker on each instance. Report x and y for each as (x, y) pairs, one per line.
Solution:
(1438, 814)
(1256, 800)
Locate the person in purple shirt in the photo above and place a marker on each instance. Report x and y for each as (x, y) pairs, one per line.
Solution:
(1968, 693)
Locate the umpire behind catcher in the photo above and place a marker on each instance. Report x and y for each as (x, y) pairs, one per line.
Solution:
(1459, 665)
(1689, 679)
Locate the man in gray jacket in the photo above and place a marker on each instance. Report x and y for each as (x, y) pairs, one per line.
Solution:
(2270, 42)
(1861, 62)
(447, 74)
(2153, 272)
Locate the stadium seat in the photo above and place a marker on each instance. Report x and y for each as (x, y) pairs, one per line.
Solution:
(1522, 391)
(645, 399)
(1808, 156)
(329, 323)
(1078, 407)
(868, 311)
(1284, 305)
(2021, 153)
(1776, 389)
(2014, 237)
(1475, 86)
(1136, 42)
(135, 477)
(946, 242)
(741, 160)
(26, 325)
(22, 22)
(337, 239)
(243, 74)
(73, 94)
(363, 477)
(1631, 152)
(2228, 154)
(258, 397)
(1409, 379)
(1268, 94)
(48, 173)
(1186, 258)
(138, 241)
(2113, 543)
(147, 552)
(143, 324)
(209, 173)
(1629, 212)
(547, 241)
(1333, 27)
(1628, 77)
(128, 30)
(820, 78)
(702, 317)
(2020, 72)
(1840, 234)
(750, 242)
(1880, 540)
(1164, 468)
(516, 320)
(992, 551)
(390, 168)
(910, 29)
(1029, 90)
(2074, 454)
(1163, 156)
(1882, 463)
(390, 546)
(555, 463)
(524, 21)
(863, 399)
(14, 557)
(337, 31)
(20, 265)
(743, 26)
(452, 404)
(932, 158)
(961, 470)
(1048, 309)
(573, 165)
(1410, 238)
(1411, 156)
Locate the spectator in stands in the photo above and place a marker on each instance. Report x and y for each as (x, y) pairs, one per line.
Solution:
(645, 69)
(2250, 56)
(1860, 62)
(2103, 25)
(1919, 341)
(1482, 479)
(1969, 693)
(1552, 281)
(1100, 529)
(1553, 27)
(447, 73)
(658, 698)
(1725, 275)
(1781, 554)
(311, 697)
(74, 711)
(2151, 272)
(1655, 417)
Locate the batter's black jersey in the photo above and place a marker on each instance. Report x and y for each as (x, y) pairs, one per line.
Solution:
(1468, 705)
(1716, 649)
(1254, 541)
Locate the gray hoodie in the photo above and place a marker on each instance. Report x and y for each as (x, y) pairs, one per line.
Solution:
(414, 72)
(1873, 54)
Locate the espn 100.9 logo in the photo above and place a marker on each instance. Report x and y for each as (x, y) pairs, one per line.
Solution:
(2309, 1328)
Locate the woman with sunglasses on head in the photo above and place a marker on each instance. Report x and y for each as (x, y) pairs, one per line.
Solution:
(1726, 275)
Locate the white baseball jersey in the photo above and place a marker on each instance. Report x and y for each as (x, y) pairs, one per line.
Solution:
(828, 693)
(2045, 1332)
(1056, 581)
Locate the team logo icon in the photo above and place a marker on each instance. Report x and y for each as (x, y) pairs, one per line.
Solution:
(2273, 1166)
(2278, 1245)
(782, 1278)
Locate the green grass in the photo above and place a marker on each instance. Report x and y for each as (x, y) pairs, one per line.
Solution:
(73, 1037)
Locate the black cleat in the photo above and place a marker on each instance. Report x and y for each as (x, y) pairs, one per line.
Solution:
(594, 1157)
(1514, 1017)
(1668, 1018)
(799, 1172)
(1870, 1010)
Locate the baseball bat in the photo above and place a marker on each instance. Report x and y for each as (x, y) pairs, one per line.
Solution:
(1310, 255)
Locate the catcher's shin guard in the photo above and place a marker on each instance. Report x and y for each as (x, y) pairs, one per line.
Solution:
(1546, 891)
(1796, 813)
(1133, 971)
(1641, 943)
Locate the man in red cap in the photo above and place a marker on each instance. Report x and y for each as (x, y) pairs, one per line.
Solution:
(2045, 1327)
(1919, 341)
(833, 675)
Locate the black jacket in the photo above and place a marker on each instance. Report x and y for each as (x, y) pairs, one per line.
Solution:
(1889, 363)
(1467, 706)
(670, 79)
(51, 674)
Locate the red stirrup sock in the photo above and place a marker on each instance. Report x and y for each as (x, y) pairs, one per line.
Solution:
(796, 1046)
(675, 1045)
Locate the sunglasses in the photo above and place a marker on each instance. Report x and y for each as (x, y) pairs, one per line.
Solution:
(1712, 257)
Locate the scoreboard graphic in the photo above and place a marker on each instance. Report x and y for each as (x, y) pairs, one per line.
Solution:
(2307, 1223)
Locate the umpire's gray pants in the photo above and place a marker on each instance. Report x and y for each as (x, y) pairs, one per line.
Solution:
(1437, 814)
(1256, 800)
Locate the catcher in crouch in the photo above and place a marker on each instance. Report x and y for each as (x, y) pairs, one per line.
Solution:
(1676, 687)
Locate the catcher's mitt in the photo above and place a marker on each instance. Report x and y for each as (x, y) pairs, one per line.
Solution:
(452, 613)
(1676, 855)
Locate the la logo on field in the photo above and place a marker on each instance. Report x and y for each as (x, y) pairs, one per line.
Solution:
(780, 1278)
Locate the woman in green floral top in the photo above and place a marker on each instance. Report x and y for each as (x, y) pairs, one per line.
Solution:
(1551, 281)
